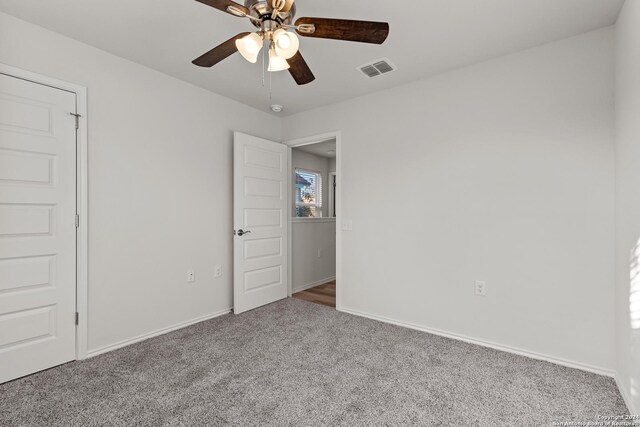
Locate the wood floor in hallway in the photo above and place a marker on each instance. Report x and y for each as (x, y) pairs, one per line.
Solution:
(324, 294)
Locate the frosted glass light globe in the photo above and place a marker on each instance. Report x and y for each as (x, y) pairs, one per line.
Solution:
(276, 63)
(286, 43)
(249, 47)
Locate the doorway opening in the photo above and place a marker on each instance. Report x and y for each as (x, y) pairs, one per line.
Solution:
(314, 208)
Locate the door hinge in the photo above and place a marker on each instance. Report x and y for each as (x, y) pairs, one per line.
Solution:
(77, 221)
(77, 117)
(77, 318)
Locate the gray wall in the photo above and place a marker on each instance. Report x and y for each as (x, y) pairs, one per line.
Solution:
(160, 184)
(314, 252)
(502, 172)
(628, 203)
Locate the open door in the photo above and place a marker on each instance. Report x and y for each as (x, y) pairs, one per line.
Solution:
(260, 222)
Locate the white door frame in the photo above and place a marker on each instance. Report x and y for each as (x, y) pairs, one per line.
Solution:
(307, 141)
(81, 195)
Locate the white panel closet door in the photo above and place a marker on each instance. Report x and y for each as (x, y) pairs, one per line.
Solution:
(260, 222)
(37, 227)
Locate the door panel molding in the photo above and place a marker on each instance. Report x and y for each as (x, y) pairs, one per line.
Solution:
(82, 209)
(260, 244)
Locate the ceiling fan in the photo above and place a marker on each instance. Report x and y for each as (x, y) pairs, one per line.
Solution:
(273, 19)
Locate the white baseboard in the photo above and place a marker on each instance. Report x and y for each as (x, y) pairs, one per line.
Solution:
(627, 400)
(495, 346)
(124, 343)
(312, 285)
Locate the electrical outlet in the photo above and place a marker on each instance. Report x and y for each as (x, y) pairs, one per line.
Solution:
(319, 253)
(191, 276)
(347, 225)
(481, 288)
(217, 271)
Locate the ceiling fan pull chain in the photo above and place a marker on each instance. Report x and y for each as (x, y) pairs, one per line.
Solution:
(270, 87)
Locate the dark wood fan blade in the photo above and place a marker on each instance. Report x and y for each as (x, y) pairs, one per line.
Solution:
(219, 53)
(224, 4)
(299, 69)
(344, 29)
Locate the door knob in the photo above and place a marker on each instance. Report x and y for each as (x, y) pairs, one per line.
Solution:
(241, 232)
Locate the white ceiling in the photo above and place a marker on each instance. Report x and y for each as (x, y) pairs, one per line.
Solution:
(322, 149)
(427, 37)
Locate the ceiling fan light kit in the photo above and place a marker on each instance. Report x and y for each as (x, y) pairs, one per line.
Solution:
(273, 18)
(282, 46)
(249, 47)
(286, 43)
(277, 63)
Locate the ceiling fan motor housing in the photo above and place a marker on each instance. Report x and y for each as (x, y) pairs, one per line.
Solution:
(263, 10)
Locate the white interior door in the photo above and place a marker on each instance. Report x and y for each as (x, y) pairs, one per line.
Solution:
(260, 222)
(37, 227)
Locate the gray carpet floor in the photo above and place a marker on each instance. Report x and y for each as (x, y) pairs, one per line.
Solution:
(294, 363)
